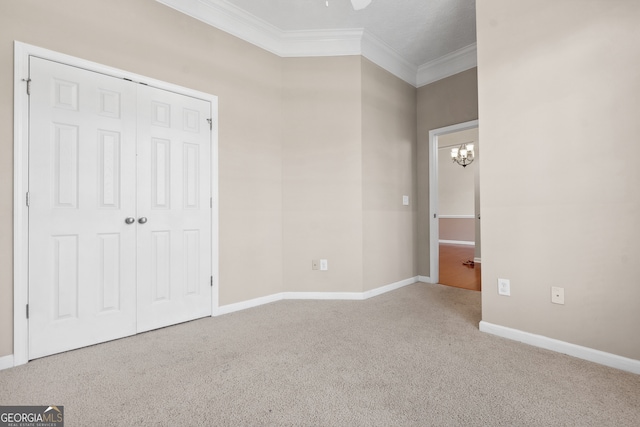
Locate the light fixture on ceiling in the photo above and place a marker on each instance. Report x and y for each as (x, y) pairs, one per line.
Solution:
(463, 155)
(357, 4)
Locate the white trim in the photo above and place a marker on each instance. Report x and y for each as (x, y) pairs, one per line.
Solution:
(457, 216)
(6, 362)
(378, 52)
(20, 211)
(434, 227)
(388, 288)
(317, 43)
(453, 63)
(295, 44)
(215, 206)
(352, 296)
(243, 305)
(22, 51)
(457, 242)
(477, 260)
(425, 279)
(585, 353)
(230, 19)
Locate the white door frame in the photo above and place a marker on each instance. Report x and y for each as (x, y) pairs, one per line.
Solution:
(434, 227)
(22, 52)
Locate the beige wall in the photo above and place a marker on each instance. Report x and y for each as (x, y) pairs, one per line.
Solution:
(322, 169)
(348, 158)
(443, 103)
(566, 213)
(292, 164)
(461, 229)
(388, 172)
(145, 37)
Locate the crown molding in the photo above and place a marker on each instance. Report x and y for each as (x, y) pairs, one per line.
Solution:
(239, 23)
(448, 65)
(320, 43)
(232, 20)
(384, 56)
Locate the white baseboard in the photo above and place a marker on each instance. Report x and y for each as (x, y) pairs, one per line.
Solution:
(388, 288)
(6, 362)
(243, 305)
(586, 353)
(425, 279)
(458, 242)
(324, 295)
(477, 260)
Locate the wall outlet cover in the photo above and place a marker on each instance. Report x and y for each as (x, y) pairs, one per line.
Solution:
(557, 295)
(324, 265)
(504, 287)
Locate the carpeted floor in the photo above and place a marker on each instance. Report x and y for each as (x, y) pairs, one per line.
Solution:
(411, 357)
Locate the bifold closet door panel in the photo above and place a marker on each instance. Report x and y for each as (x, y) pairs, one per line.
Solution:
(82, 171)
(174, 210)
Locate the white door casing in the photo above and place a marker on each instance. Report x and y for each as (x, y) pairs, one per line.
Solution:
(109, 296)
(434, 227)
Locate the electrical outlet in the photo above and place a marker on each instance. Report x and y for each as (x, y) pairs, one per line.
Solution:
(557, 295)
(504, 287)
(315, 264)
(324, 265)
(405, 200)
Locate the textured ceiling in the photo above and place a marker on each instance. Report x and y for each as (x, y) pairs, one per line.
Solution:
(419, 30)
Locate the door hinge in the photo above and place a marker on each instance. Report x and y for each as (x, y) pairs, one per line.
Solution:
(211, 281)
(28, 85)
(210, 124)
(27, 311)
(28, 201)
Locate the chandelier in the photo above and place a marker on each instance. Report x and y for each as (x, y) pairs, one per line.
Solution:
(463, 155)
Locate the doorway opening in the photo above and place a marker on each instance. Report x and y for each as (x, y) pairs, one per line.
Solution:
(455, 256)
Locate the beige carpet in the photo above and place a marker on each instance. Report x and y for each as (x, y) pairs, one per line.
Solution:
(410, 357)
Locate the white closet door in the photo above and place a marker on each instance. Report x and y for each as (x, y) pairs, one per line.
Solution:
(82, 254)
(120, 215)
(174, 212)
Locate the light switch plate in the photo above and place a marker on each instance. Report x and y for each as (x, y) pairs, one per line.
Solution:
(405, 200)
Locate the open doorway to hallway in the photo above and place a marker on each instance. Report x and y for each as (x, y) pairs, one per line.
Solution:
(455, 202)
(457, 267)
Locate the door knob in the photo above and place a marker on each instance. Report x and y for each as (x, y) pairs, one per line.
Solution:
(130, 220)
(142, 220)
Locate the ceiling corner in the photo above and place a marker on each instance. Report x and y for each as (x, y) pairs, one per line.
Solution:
(448, 65)
(382, 55)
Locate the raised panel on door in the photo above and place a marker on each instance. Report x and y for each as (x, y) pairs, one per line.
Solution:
(174, 190)
(82, 255)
